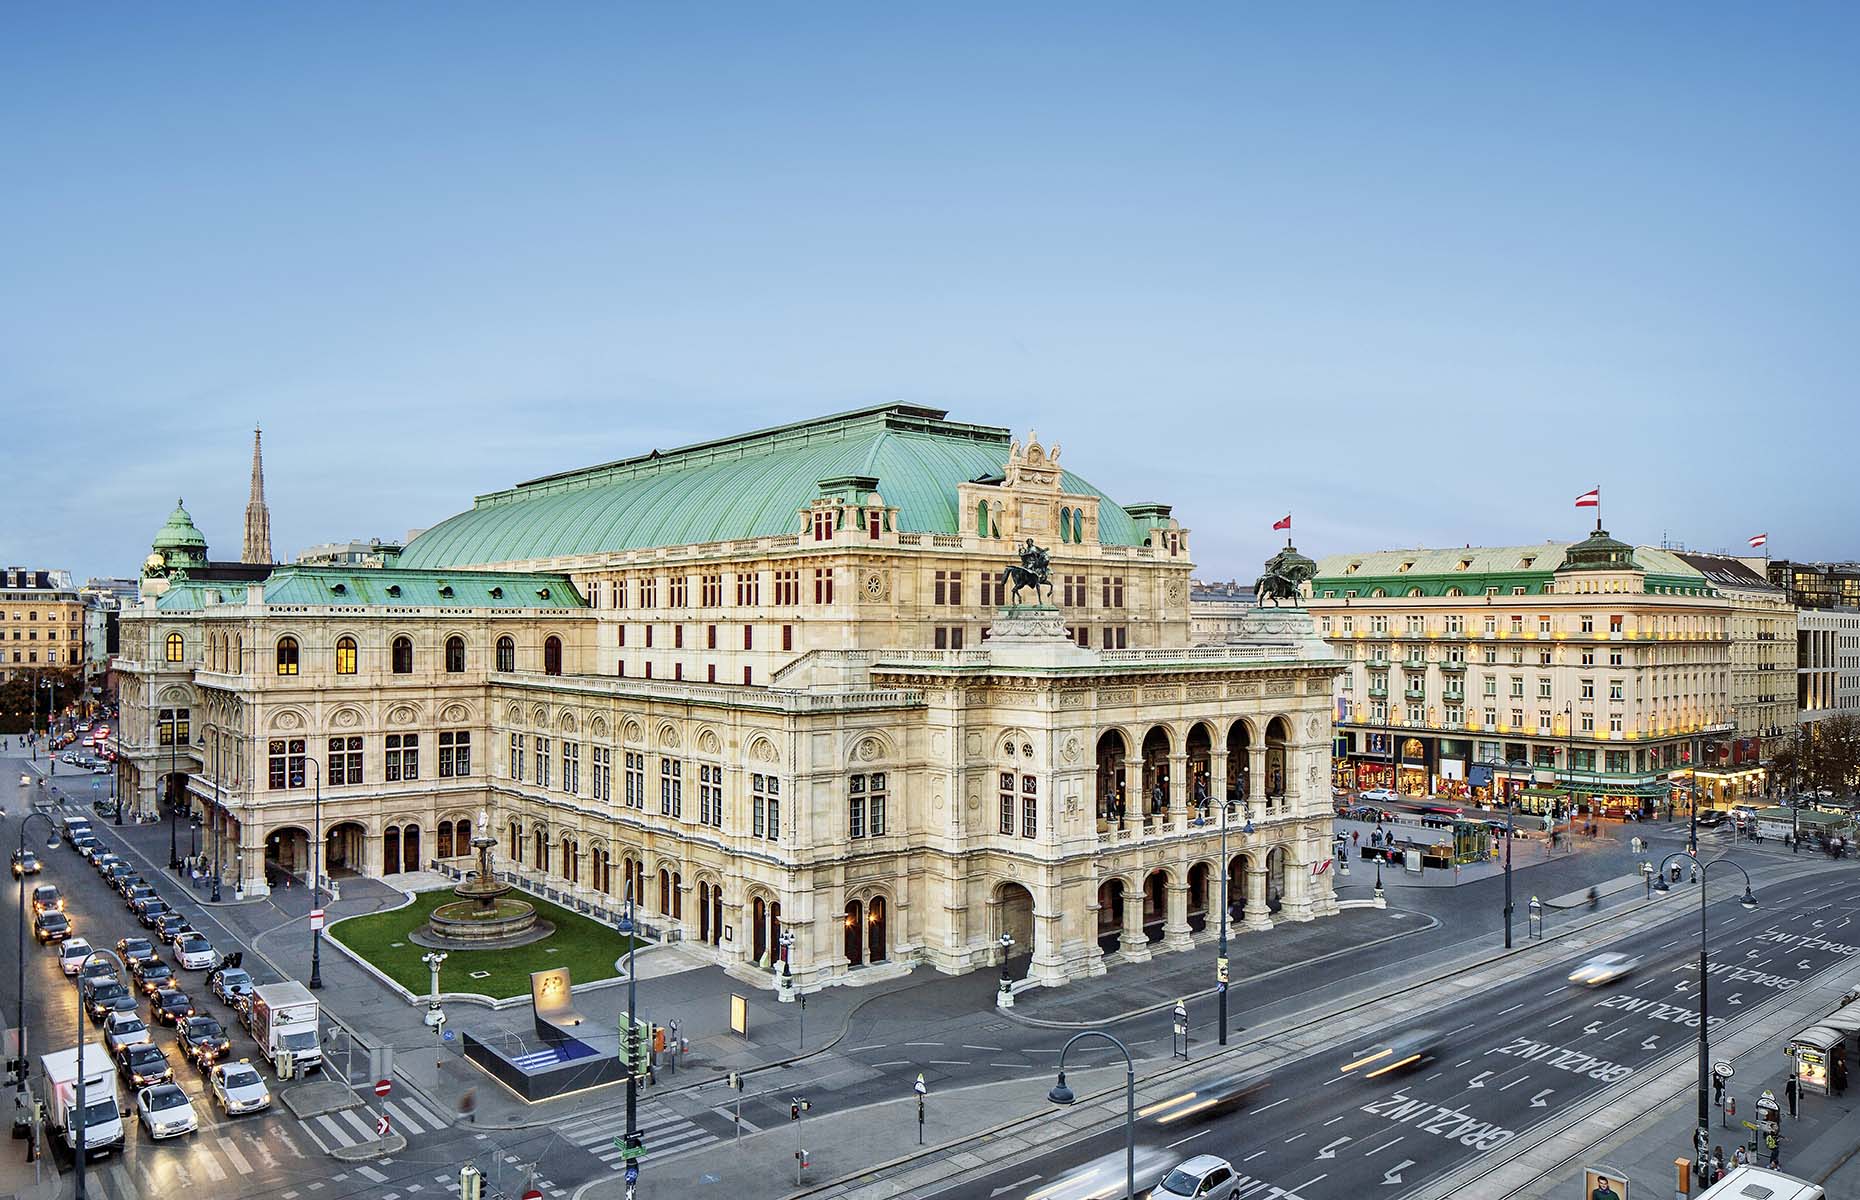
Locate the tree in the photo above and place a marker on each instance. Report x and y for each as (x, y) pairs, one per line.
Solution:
(22, 699)
(1786, 764)
(1836, 744)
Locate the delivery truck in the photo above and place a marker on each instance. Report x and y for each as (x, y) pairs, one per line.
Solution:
(103, 1114)
(284, 1024)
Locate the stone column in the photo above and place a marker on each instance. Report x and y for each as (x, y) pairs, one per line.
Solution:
(1256, 915)
(1178, 788)
(1176, 932)
(1295, 905)
(1256, 778)
(1217, 783)
(1132, 943)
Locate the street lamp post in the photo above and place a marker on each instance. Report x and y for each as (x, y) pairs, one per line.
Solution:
(1749, 901)
(1004, 998)
(1220, 962)
(1061, 1094)
(786, 941)
(83, 1112)
(51, 843)
(174, 857)
(1569, 761)
(193, 831)
(627, 926)
(219, 814)
(316, 876)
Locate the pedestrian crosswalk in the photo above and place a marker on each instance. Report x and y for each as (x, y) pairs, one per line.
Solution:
(662, 1132)
(352, 1126)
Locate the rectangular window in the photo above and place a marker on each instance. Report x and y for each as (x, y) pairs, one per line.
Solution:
(788, 587)
(1417, 715)
(671, 788)
(713, 591)
(855, 808)
(1543, 721)
(1614, 658)
(1455, 715)
(345, 761)
(1517, 689)
(542, 762)
(454, 753)
(749, 637)
(1113, 587)
(649, 592)
(1378, 624)
(1543, 624)
(571, 767)
(635, 779)
(710, 637)
(1543, 688)
(823, 585)
(516, 757)
(1116, 637)
(649, 629)
(1456, 624)
(993, 593)
(1587, 691)
(601, 759)
(948, 588)
(1614, 623)
(621, 629)
(1588, 658)
(678, 637)
(1588, 722)
(1615, 689)
(1614, 722)
(1491, 625)
(1517, 718)
(677, 592)
(402, 756)
(822, 523)
(710, 795)
(765, 807)
(287, 763)
(949, 637)
(748, 590)
(787, 637)
(1491, 717)
(1588, 622)
(1009, 802)
(619, 593)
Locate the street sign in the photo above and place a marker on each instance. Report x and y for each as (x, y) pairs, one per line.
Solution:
(383, 1087)
(381, 1125)
(447, 1035)
(532, 1194)
(919, 1087)
(316, 918)
(1721, 1069)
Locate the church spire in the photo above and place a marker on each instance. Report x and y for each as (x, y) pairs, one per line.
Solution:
(257, 516)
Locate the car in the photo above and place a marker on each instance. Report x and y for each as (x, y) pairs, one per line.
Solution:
(1604, 968)
(102, 999)
(142, 1064)
(92, 850)
(1205, 1101)
(102, 766)
(133, 950)
(133, 888)
(1203, 1177)
(237, 1087)
(194, 952)
(46, 898)
(103, 968)
(70, 757)
(148, 908)
(232, 985)
(166, 1111)
(25, 862)
(171, 1006)
(1710, 819)
(50, 927)
(169, 926)
(125, 1029)
(204, 1040)
(153, 977)
(71, 954)
(1378, 796)
(1404, 1051)
(116, 872)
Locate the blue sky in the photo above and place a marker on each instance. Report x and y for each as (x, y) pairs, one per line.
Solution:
(1417, 273)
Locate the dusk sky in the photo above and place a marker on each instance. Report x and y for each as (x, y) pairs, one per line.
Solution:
(1416, 273)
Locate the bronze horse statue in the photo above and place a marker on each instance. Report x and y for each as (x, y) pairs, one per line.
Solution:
(1286, 572)
(1033, 571)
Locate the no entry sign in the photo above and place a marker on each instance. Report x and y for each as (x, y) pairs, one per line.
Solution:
(383, 1086)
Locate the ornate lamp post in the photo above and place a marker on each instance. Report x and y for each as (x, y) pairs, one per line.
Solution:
(1005, 997)
(1061, 1094)
(51, 843)
(83, 1112)
(1220, 962)
(316, 874)
(1749, 901)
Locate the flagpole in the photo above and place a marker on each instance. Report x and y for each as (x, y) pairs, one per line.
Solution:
(1598, 508)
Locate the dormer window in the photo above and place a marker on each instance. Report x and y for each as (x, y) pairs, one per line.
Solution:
(394, 590)
(340, 589)
(1405, 567)
(1352, 568)
(1525, 564)
(497, 593)
(1465, 565)
(445, 591)
(542, 593)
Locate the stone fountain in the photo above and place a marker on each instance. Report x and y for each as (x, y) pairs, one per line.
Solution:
(485, 916)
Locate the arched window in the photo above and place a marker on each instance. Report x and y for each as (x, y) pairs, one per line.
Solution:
(403, 656)
(345, 656)
(552, 656)
(287, 656)
(506, 654)
(1078, 525)
(981, 517)
(455, 655)
(444, 848)
(175, 647)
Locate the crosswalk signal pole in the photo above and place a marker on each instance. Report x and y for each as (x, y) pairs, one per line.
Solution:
(736, 1083)
(471, 1183)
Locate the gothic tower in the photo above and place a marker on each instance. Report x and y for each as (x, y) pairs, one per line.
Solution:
(257, 516)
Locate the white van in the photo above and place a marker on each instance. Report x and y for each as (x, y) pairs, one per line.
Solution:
(1759, 1183)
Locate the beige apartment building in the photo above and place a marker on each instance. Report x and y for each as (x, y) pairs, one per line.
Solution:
(1594, 671)
(41, 622)
(775, 682)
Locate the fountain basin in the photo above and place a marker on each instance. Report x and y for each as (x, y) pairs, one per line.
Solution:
(475, 925)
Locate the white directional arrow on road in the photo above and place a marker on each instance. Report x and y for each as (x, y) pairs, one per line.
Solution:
(1803, 965)
(1819, 924)
(1479, 1079)
(1592, 1027)
(1537, 1101)
(1653, 1041)
(1393, 1174)
(1018, 1183)
(1330, 1151)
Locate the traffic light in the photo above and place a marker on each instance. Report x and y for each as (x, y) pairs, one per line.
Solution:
(637, 1049)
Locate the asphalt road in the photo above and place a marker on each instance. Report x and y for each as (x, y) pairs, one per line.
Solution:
(1489, 1067)
(272, 1153)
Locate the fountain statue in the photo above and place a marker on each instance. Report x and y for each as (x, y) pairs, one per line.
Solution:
(484, 916)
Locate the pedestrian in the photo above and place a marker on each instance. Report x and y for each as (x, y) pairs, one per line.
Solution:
(468, 1105)
(1717, 1163)
(1789, 1094)
(1356, 836)
(1740, 1157)
(1774, 1145)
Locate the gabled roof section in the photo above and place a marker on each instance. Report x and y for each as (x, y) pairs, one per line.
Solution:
(345, 587)
(745, 486)
(1472, 569)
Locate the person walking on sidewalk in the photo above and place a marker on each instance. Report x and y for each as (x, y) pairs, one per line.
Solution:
(1773, 1144)
(1789, 1094)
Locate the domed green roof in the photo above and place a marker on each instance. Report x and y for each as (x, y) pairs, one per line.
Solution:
(179, 533)
(747, 486)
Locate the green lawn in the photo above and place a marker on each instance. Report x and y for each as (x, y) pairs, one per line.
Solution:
(586, 947)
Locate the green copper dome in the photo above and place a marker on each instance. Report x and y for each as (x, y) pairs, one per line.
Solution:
(747, 486)
(179, 542)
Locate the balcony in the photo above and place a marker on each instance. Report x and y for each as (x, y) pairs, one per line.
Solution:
(1453, 668)
(1415, 693)
(1413, 665)
(1378, 693)
(1454, 697)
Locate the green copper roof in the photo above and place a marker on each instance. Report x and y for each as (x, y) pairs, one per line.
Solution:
(750, 485)
(383, 588)
(179, 532)
(1474, 568)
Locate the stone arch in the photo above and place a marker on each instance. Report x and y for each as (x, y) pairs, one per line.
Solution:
(1111, 895)
(668, 738)
(1199, 746)
(1240, 742)
(345, 716)
(1203, 892)
(403, 714)
(1278, 764)
(539, 716)
(633, 732)
(765, 927)
(455, 714)
(290, 719)
(762, 750)
(1113, 751)
(1155, 892)
(287, 849)
(174, 694)
(566, 722)
(707, 741)
(1158, 742)
(513, 714)
(597, 727)
(867, 746)
(345, 848)
(1011, 911)
(1277, 860)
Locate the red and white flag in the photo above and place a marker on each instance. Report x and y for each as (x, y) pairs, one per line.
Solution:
(1590, 499)
(1284, 524)
(1761, 539)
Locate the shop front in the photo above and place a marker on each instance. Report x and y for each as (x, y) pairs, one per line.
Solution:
(1416, 772)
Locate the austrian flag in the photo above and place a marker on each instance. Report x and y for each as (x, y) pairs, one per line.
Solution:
(1284, 524)
(1761, 539)
(1590, 499)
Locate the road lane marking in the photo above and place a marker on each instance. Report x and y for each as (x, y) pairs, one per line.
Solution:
(863, 1049)
(1674, 942)
(1461, 1063)
(1252, 1156)
(1513, 1008)
(949, 1062)
(1307, 1183)
(1295, 1137)
(996, 1049)
(923, 1043)
(1332, 1121)
(1191, 1137)
(1384, 1145)
(1334, 1079)
(1559, 1021)
(1462, 1029)
(1281, 1100)
(239, 1160)
(1514, 1083)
